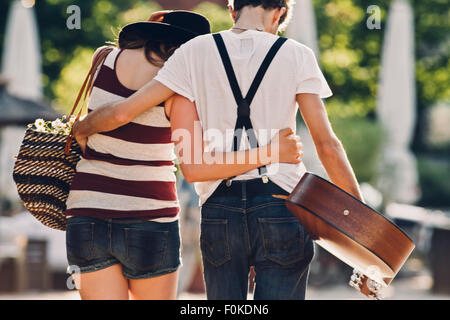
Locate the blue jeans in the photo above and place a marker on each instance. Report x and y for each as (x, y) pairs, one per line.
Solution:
(240, 230)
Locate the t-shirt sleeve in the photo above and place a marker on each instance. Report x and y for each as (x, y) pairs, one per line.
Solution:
(175, 74)
(310, 78)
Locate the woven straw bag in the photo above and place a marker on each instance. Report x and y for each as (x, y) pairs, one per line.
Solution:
(46, 163)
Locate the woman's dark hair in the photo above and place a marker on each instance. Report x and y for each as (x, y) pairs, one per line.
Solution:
(162, 49)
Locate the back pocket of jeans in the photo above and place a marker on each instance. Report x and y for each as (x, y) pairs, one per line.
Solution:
(79, 241)
(146, 250)
(283, 239)
(214, 241)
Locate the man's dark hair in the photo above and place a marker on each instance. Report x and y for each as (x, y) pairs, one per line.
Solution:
(237, 5)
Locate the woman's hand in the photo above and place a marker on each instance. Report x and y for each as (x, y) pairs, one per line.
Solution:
(82, 141)
(286, 147)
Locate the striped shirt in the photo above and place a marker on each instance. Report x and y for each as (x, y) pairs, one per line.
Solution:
(128, 172)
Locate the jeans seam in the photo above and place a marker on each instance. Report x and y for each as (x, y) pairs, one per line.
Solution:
(219, 206)
(247, 236)
(227, 256)
(156, 265)
(91, 245)
(126, 241)
(149, 275)
(265, 205)
(99, 266)
(267, 254)
(110, 236)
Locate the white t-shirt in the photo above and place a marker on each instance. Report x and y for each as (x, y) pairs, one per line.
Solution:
(196, 72)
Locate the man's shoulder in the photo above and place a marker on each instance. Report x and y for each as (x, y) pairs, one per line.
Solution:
(297, 46)
(198, 42)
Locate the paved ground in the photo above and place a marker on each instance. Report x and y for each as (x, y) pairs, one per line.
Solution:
(417, 288)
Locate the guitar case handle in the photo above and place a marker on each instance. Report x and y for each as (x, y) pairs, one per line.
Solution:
(280, 196)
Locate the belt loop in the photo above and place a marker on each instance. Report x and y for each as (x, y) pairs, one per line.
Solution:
(244, 190)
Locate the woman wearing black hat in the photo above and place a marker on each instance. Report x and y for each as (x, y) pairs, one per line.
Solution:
(122, 234)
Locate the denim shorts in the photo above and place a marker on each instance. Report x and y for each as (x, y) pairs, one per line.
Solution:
(145, 249)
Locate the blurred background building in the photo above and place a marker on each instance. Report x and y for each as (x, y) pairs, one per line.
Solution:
(391, 110)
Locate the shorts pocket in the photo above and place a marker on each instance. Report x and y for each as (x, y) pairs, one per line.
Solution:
(214, 241)
(283, 239)
(80, 242)
(146, 250)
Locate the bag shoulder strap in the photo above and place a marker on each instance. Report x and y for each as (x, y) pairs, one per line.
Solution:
(86, 88)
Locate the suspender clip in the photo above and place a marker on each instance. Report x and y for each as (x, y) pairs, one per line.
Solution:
(243, 109)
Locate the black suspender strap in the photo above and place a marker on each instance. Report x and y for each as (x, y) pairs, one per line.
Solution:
(243, 121)
(228, 68)
(263, 69)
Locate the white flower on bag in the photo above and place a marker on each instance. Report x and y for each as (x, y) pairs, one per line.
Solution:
(39, 124)
(72, 120)
(59, 126)
(67, 130)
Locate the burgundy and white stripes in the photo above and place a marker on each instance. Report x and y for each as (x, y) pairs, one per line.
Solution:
(127, 172)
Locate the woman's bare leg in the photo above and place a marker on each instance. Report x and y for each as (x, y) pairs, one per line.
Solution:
(106, 284)
(159, 288)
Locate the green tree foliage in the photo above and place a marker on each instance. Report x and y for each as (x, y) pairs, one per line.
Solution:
(349, 56)
(101, 21)
(434, 178)
(350, 52)
(71, 77)
(361, 138)
(218, 16)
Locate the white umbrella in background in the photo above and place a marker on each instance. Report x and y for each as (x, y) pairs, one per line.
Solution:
(21, 63)
(303, 29)
(21, 68)
(396, 106)
(303, 25)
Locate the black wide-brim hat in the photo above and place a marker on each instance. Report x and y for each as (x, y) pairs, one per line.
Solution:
(176, 26)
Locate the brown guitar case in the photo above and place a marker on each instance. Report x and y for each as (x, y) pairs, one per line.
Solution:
(352, 231)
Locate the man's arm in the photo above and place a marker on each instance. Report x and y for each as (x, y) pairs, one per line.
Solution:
(198, 165)
(329, 148)
(113, 116)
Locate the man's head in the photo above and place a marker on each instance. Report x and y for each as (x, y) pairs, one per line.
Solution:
(280, 11)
